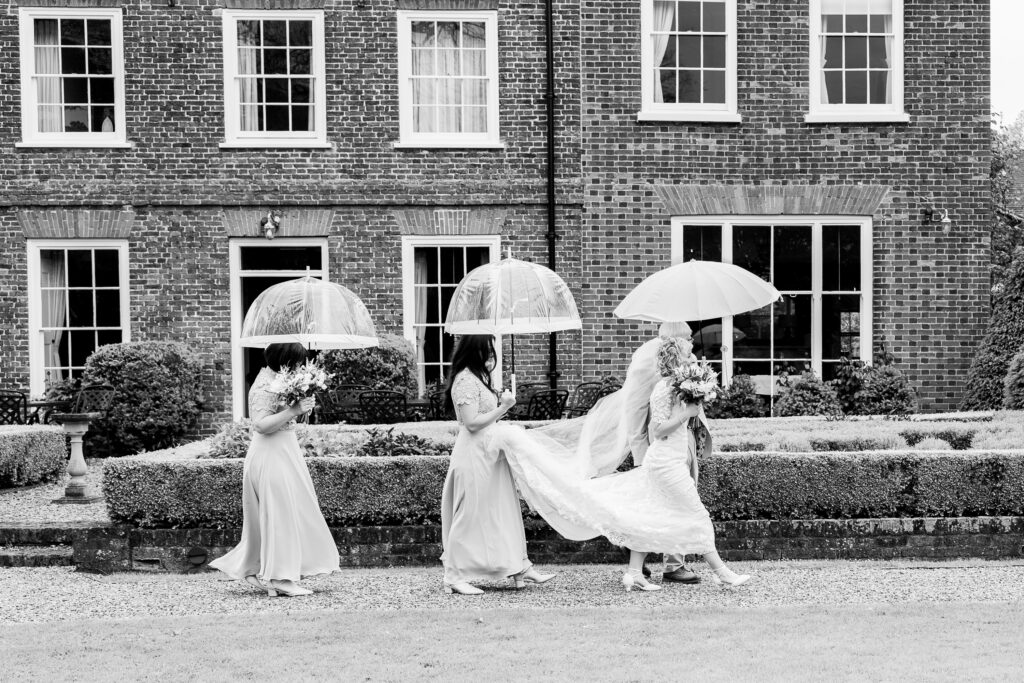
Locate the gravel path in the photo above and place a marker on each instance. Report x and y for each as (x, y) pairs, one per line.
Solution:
(35, 503)
(60, 594)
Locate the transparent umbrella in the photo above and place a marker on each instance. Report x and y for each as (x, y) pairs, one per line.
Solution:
(314, 313)
(512, 297)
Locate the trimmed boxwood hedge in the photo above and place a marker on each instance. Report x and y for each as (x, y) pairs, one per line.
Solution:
(31, 454)
(155, 492)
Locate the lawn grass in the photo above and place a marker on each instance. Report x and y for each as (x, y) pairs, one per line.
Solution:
(975, 642)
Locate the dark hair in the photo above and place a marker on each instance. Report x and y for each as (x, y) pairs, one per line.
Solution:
(280, 356)
(471, 353)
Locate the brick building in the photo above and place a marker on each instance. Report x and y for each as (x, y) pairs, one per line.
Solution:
(403, 142)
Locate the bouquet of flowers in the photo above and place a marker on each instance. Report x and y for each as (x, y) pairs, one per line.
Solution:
(695, 382)
(293, 385)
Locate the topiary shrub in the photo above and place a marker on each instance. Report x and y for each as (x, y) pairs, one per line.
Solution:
(880, 389)
(808, 396)
(391, 366)
(739, 399)
(1013, 383)
(31, 454)
(157, 400)
(1005, 337)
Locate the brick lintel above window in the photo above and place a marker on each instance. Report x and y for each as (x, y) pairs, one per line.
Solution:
(272, 4)
(295, 222)
(739, 200)
(76, 223)
(463, 221)
(458, 5)
(69, 3)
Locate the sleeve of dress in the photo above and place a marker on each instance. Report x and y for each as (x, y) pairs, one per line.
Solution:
(465, 390)
(661, 403)
(262, 403)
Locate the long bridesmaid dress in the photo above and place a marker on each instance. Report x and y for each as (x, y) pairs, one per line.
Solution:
(284, 535)
(481, 520)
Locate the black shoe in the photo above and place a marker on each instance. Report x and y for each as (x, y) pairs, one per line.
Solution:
(681, 575)
(647, 572)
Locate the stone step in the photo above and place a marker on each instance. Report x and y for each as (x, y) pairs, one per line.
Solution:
(36, 556)
(43, 533)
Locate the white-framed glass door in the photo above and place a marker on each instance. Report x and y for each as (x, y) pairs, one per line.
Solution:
(257, 264)
(823, 268)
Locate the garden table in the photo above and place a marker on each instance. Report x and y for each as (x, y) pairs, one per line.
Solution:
(41, 411)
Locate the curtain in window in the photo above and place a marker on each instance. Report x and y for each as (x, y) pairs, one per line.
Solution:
(664, 13)
(420, 278)
(449, 83)
(47, 71)
(51, 269)
(248, 65)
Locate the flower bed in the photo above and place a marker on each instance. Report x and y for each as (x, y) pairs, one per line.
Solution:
(31, 454)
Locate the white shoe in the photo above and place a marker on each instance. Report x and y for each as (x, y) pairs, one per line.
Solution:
(635, 578)
(286, 588)
(725, 576)
(461, 588)
(531, 575)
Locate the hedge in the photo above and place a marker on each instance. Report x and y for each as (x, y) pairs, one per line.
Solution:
(168, 492)
(31, 454)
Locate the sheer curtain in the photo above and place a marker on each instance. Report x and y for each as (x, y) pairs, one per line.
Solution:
(248, 67)
(47, 71)
(420, 278)
(664, 13)
(448, 90)
(51, 269)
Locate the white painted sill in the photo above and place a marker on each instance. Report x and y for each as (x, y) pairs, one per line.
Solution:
(73, 145)
(276, 144)
(448, 144)
(690, 116)
(866, 117)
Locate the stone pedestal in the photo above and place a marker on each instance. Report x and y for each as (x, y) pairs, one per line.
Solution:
(75, 426)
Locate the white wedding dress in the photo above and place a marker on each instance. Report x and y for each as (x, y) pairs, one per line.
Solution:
(654, 508)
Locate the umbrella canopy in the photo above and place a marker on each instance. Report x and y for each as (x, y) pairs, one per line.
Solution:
(314, 313)
(697, 290)
(512, 297)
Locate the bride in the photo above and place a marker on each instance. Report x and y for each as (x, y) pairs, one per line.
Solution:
(653, 508)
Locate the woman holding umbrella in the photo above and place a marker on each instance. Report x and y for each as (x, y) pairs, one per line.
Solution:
(481, 521)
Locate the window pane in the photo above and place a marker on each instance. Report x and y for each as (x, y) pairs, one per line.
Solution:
(107, 271)
(448, 34)
(792, 258)
(475, 119)
(281, 258)
(277, 118)
(275, 61)
(689, 86)
(474, 62)
(840, 326)
(83, 343)
(752, 334)
(879, 23)
(668, 85)
(76, 90)
(714, 17)
(79, 268)
(752, 249)
(275, 33)
(832, 93)
(476, 257)
(449, 62)
(300, 61)
(452, 267)
(300, 32)
(446, 301)
(46, 32)
(878, 54)
(276, 89)
(422, 34)
(880, 93)
(100, 61)
(248, 33)
(758, 371)
(856, 87)
(689, 51)
(707, 338)
(856, 23)
(108, 308)
(856, 53)
(714, 87)
(702, 243)
(72, 31)
(101, 119)
(76, 120)
(474, 35)
(105, 337)
(99, 31)
(688, 18)
(840, 246)
(302, 118)
(432, 344)
(670, 58)
(80, 310)
(448, 346)
(714, 52)
(54, 307)
(833, 23)
(792, 333)
(47, 60)
(833, 53)
(433, 310)
(102, 90)
(72, 60)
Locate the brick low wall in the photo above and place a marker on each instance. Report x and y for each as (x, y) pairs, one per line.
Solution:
(122, 548)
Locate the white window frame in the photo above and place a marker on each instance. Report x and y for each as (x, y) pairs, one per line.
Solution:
(37, 375)
(409, 244)
(31, 136)
(855, 113)
(686, 111)
(235, 245)
(409, 139)
(234, 137)
(816, 223)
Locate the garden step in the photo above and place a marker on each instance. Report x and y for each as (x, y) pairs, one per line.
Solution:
(36, 556)
(43, 533)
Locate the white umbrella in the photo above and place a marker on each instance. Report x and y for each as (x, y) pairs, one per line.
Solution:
(512, 297)
(697, 290)
(311, 312)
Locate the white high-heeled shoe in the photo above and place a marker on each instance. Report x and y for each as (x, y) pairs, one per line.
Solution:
(725, 576)
(461, 588)
(531, 575)
(635, 578)
(275, 589)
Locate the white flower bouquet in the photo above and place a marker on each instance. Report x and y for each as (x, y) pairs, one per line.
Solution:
(293, 385)
(693, 382)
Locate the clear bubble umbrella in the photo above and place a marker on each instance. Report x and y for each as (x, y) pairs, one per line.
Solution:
(512, 297)
(311, 312)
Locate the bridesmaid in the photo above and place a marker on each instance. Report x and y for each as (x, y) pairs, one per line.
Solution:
(481, 521)
(284, 535)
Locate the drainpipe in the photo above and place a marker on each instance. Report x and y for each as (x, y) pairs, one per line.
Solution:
(552, 234)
